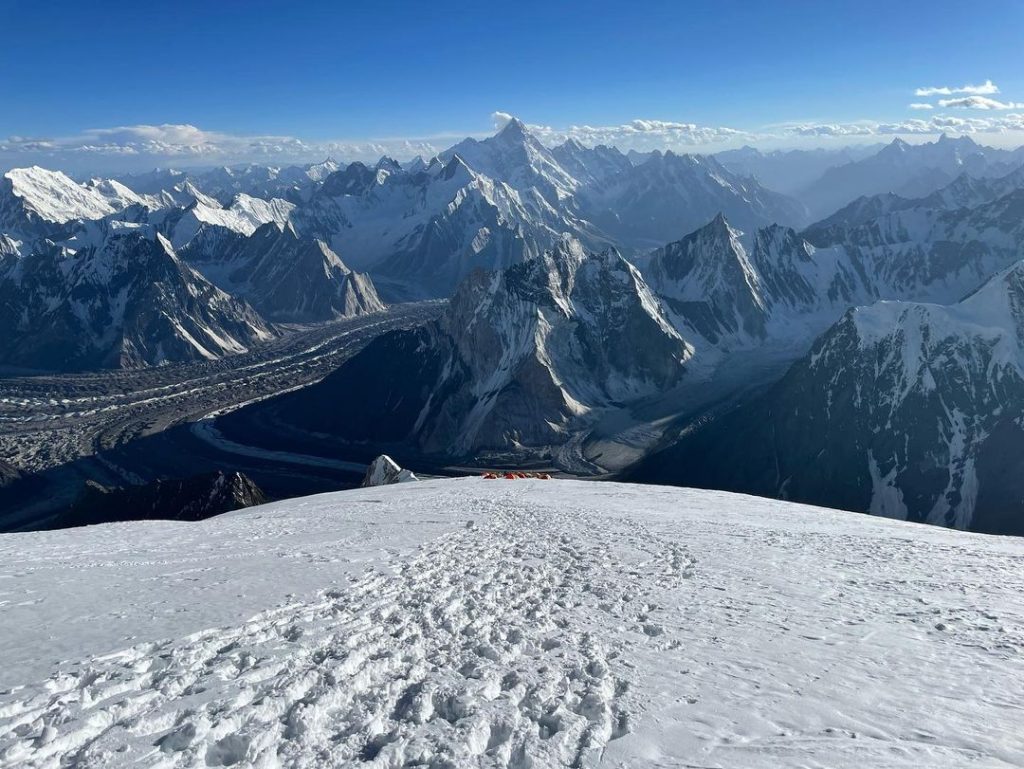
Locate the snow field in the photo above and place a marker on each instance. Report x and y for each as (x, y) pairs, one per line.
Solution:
(545, 623)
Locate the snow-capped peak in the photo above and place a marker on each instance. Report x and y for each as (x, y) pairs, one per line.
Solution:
(317, 172)
(516, 157)
(515, 130)
(53, 196)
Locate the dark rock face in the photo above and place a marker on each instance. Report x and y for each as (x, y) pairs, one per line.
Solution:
(1000, 469)
(190, 499)
(8, 474)
(516, 361)
(380, 393)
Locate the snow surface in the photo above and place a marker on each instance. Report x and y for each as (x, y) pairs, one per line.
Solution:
(513, 623)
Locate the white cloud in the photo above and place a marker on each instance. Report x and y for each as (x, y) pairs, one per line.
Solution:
(643, 134)
(978, 102)
(933, 125)
(832, 129)
(143, 146)
(920, 105)
(500, 119)
(985, 89)
(140, 147)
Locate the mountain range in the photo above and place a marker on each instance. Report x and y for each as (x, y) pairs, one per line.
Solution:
(127, 301)
(285, 277)
(790, 171)
(676, 303)
(530, 359)
(307, 244)
(189, 499)
(518, 359)
(96, 276)
(907, 170)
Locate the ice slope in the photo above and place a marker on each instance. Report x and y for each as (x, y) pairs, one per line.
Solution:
(513, 623)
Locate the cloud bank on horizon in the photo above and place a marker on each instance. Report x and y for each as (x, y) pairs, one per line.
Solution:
(139, 147)
(967, 97)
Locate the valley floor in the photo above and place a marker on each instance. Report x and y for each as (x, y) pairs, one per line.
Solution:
(513, 623)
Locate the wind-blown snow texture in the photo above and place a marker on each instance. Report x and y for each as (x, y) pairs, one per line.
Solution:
(525, 623)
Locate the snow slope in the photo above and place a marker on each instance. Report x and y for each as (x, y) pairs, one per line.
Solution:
(244, 216)
(513, 623)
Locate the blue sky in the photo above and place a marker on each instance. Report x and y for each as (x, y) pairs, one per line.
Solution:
(325, 72)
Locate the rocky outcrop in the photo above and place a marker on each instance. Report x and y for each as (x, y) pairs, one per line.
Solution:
(383, 471)
(188, 499)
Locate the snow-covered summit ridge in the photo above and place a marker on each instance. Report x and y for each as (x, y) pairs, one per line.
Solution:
(526, 622)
